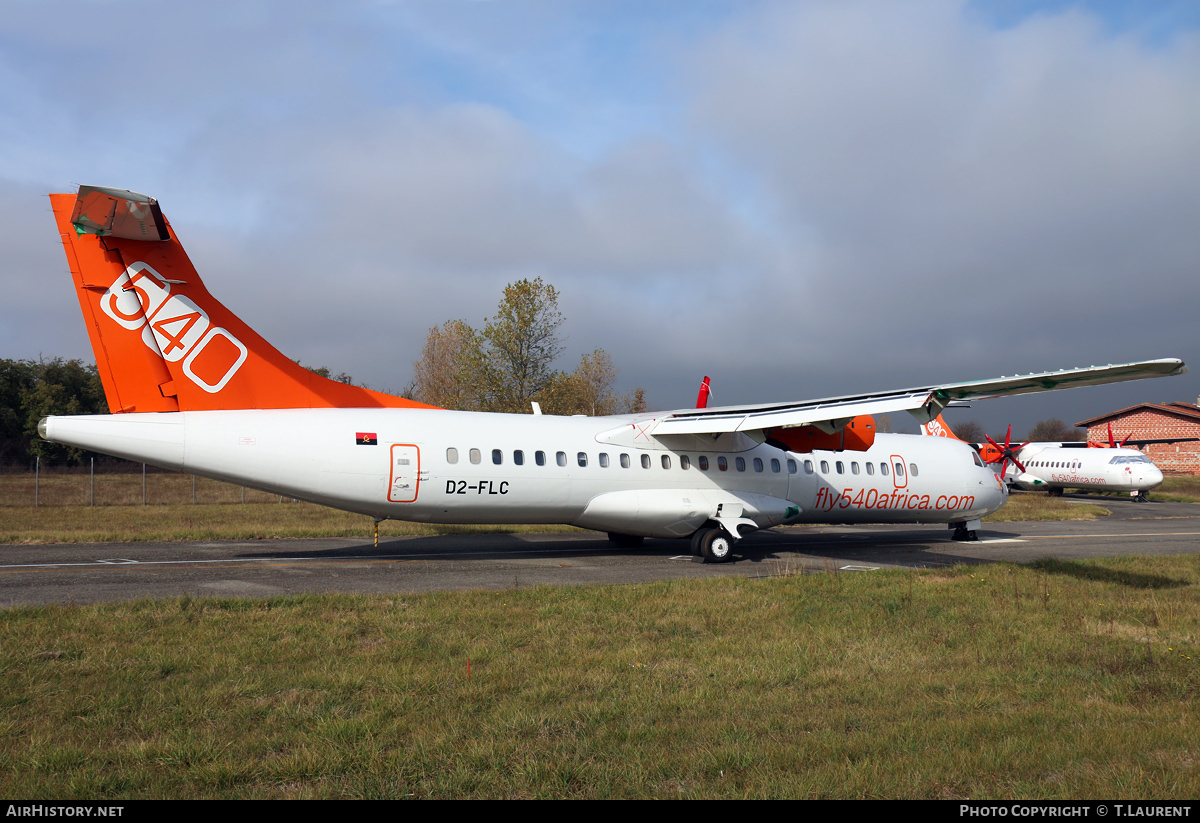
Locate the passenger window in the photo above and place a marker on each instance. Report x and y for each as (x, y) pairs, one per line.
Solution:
(476, 456)
(841, 468)
(685, 462)
(539, 458)
(451, 455)
(645, 461)
(624, 461)
(582, 458)
(853, 467)
(497, 456)
(758, 464)
(519, 458)
(791, 466)
(899, 470)
(703, 463)
(912, 469)
(740, 464)
(870, 468)
(666, 461)
(824, 467)
(604, 460)
(883, 469)
(561, 458)
(722, 464)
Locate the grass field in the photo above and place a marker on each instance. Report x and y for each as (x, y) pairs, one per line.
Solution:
(66, 516)
(1061, 680)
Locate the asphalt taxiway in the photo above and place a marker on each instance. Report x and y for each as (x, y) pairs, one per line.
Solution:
(106, 572)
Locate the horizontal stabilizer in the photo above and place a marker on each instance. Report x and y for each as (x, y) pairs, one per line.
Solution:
(118, 213)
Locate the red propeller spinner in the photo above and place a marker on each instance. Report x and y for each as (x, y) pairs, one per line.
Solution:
(1003, 454)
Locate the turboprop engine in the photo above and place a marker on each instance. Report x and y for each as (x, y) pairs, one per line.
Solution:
(857, 436)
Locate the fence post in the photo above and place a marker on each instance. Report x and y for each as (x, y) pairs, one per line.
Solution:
(143, 484)
(92, 480)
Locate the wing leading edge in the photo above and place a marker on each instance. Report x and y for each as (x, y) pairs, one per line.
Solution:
(924, 403)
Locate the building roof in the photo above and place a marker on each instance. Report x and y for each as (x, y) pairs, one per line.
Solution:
(1187, 411)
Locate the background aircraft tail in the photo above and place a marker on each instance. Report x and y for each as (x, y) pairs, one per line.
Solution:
(162, 342)
(938, 427)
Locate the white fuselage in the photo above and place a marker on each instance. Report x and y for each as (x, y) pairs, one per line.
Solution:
(602, 473)
(1101, 469)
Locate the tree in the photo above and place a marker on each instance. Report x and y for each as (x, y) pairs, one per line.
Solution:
(968, 430)
(510, 363)
(17, 380)
(1053, 430)
(591, 385)
(447, 375)
(31, 390)
(521, 344)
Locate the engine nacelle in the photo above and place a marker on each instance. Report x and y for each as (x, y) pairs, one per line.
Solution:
(856, 436)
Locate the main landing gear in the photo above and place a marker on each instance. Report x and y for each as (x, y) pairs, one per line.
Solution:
(711, 544)
(966, 530)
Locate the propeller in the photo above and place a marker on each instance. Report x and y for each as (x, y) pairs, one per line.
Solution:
(1004, 454)
(1112, 441)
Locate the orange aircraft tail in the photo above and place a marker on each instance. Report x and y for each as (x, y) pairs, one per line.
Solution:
(938, 427)
(162, 342)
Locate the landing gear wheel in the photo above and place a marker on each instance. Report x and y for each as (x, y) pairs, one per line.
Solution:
(961, 532)
(625, 541)
(716, 546)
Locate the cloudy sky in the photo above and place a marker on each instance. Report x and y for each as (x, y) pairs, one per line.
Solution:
(800, 199)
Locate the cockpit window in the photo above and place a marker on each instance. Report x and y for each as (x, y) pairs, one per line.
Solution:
(1129, 458)
(978, 461)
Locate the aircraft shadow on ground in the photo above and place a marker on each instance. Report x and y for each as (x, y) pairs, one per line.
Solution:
(1084, 570)
(766, 546)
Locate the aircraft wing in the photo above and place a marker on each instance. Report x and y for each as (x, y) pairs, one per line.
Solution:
(924, 403)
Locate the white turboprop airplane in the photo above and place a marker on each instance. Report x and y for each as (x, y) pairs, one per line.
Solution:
(194, 389)
(1057, 466)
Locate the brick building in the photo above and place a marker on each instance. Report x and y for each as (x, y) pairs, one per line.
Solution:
(1151, 421)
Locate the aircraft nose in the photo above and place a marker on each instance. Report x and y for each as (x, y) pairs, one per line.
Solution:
(1153, 475)
(996, 491)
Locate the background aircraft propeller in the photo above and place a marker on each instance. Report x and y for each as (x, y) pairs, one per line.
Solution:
(1112, 441)
(1003, 454)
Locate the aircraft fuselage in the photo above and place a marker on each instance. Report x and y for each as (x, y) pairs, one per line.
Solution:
(1097, 469)
(604, 473)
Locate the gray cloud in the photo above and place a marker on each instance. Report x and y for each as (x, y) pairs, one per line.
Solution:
(800, 199)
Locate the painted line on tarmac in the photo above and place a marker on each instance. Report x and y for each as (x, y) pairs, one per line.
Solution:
(112, 563)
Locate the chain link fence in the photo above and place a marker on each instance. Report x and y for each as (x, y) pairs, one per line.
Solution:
(105, 483)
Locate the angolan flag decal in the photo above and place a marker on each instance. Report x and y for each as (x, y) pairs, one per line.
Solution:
(366, 439)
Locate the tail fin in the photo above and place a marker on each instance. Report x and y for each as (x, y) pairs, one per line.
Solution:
(162, 342)
(938, 427)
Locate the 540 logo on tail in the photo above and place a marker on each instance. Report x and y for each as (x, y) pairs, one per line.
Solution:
(174, 327)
